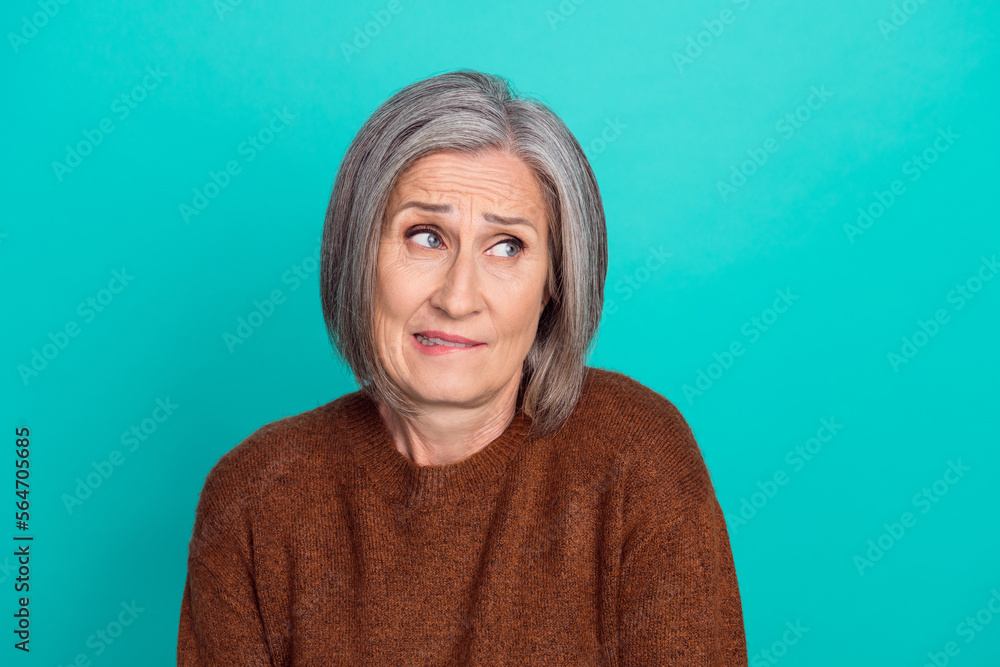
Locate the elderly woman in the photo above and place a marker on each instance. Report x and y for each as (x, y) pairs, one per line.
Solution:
(484, 498)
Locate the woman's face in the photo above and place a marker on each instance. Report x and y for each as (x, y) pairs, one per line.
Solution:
(464, 252)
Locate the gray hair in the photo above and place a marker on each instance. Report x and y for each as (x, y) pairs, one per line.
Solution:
(469, 112)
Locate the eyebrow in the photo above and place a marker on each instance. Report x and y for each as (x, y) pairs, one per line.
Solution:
(448, 208)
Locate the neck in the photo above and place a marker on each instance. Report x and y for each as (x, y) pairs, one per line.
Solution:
(447, 433)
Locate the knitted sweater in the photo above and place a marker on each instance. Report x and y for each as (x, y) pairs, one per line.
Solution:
(316, 542)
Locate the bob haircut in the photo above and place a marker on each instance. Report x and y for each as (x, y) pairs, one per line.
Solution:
(469, 112)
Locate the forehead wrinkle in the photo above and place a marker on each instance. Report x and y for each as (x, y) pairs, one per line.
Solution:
(496, 191)
(439, 179)
(445, 169)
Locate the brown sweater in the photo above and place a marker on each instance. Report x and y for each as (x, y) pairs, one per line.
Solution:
(316, 542)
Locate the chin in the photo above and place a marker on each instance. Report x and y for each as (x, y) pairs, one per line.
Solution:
(461, 387)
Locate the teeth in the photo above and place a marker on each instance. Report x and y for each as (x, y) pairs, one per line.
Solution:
(437, 341)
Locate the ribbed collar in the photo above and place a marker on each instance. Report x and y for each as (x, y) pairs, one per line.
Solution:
(403, 481)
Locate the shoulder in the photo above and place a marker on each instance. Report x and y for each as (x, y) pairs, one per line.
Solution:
(281, 449)
(645, 429)
(614, 388)
(631, 410)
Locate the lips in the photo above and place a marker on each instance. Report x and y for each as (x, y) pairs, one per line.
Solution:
(445, 338)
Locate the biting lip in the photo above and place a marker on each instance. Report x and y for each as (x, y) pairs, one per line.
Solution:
(451, 338)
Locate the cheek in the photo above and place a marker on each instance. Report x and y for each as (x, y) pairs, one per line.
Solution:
(397, 297)
(518, 320)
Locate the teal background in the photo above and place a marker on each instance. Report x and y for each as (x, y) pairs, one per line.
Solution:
(681, 127)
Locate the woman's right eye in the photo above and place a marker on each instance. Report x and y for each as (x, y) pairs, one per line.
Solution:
(432, 240)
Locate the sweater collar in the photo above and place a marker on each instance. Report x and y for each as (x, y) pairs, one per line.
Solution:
(402, 480)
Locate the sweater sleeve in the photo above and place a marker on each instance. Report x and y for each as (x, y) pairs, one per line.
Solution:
(220, 621)
(679, 600)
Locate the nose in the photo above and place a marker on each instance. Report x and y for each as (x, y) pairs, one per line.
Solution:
(458, 294)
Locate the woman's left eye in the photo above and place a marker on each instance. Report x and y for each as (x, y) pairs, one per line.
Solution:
(510, 247)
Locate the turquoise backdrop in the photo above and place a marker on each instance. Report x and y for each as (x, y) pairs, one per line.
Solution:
(802, 210)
